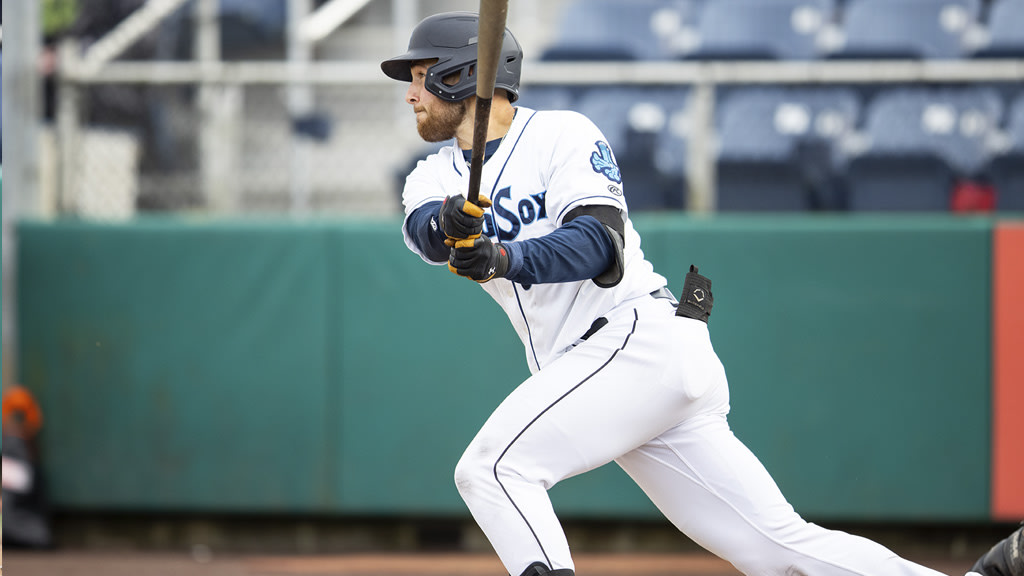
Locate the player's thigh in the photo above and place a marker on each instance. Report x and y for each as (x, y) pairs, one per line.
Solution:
(711, 486)
(608, 396)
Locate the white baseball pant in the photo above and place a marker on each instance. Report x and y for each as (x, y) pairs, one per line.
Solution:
(649, 392)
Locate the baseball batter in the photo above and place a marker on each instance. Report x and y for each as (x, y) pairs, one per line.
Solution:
(620, 371)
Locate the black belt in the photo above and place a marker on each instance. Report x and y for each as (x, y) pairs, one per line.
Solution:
(662, 292)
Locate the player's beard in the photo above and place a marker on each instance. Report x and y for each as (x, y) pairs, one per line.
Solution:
(442, 120)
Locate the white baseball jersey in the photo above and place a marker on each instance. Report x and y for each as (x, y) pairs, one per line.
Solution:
(549, 163)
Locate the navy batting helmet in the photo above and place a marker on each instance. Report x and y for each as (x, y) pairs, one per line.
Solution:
(451, 37)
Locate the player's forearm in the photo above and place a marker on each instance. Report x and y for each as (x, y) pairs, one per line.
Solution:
(423, 228)
(579, 250)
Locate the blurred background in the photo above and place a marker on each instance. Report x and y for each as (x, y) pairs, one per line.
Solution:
(214, 337)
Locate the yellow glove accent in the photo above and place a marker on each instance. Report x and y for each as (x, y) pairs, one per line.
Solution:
(466, 243)
(474, 210)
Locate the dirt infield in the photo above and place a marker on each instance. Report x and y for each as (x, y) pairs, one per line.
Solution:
(78, 563)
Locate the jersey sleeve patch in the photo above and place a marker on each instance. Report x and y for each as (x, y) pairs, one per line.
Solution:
(603, 162)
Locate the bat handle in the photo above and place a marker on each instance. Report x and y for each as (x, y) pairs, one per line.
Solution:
(476, 162)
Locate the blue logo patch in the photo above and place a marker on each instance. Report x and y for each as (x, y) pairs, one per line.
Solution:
(603, 162)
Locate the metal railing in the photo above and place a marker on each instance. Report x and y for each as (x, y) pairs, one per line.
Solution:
(229, 79)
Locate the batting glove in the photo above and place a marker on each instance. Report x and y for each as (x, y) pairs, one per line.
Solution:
(460, 219)
(478, 259)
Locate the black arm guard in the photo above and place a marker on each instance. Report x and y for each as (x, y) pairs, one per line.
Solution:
(613, 223)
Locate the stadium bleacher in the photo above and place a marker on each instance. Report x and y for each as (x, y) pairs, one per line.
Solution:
(620, 30)
(761, 29)
(888, 147)
(779, 148)
(890, 29)
(788, 147)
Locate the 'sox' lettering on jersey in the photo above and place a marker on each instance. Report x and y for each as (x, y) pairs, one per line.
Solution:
(526, 212)
(603, 162)
(542, 208)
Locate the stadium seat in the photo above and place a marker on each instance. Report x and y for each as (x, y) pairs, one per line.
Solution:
(911, 181)
(1005, 30)
(671, 154)
(778, 148)
(919, 142)
(620, 29)
(545, 97)
(953, 122)
(632, 120)
(1007, 167)
(761, 29)
(921, 29)
(252, 28)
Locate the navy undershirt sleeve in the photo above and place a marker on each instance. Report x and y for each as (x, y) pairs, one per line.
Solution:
(579, 250)
(426, 233)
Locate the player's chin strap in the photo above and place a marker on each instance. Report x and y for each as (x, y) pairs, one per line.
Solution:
(541, 569)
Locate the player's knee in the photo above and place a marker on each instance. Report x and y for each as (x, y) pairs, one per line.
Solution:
(472, 472)
(482, 470)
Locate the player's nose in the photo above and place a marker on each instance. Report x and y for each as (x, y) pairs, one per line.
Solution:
(412, 94)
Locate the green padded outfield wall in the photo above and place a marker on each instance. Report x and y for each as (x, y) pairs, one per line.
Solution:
(281, 367)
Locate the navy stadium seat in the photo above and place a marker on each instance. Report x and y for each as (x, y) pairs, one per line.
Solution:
(1005, 30)
(545, 97)
(252, 28)
(620, 29)
(778, 148)
(671, 145)
(1007, 167)
(632, 118)
(921, 29)
(955, 123)
(761, 29)
(911, 181)
(610, 107)
(919, 141)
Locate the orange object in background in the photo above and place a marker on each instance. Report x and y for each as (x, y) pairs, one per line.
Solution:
(1008, 372)
(19, 402)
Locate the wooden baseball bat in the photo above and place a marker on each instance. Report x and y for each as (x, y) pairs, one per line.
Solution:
(490, 36)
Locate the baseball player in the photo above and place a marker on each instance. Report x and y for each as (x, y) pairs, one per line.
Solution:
(620, 370)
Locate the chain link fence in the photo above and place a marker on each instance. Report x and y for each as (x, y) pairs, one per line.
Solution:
(170, 135)
(166, 128)
(157, 148)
